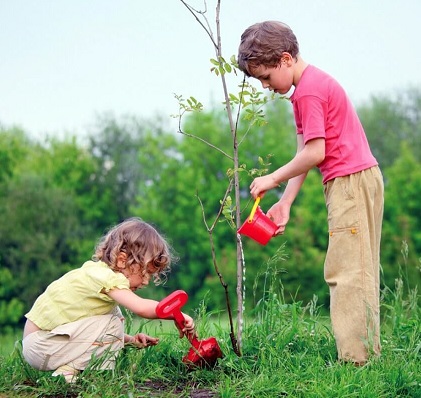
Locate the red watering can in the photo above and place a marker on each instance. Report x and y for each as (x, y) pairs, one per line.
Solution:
(258, 225)
(203, 353)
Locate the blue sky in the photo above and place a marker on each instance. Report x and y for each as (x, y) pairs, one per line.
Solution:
(65, 62)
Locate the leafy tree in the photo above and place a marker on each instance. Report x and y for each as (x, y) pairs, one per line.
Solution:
(116, 146)
(388, 121)
(11, 308)
(43, 207)
(14, 147)
(38, 222)
(402, 222)
(69, 167)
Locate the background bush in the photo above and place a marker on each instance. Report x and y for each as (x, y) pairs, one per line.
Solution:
(59, 196)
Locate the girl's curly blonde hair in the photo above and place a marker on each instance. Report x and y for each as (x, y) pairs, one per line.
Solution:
(142, 245)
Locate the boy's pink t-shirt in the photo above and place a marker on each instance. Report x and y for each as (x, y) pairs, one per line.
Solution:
(322, 110)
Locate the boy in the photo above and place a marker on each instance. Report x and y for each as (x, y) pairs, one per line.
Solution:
(330, 137)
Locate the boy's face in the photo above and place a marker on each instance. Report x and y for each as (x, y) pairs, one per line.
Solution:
(279, 78)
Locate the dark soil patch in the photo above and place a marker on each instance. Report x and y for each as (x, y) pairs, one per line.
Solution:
(160, 389)
(153, 389)
(148, 388)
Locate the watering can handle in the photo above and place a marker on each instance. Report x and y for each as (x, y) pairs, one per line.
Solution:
(171, 306)
(253, 210)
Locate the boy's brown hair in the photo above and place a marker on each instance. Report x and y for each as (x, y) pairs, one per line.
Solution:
(141, 243)
(263, 44)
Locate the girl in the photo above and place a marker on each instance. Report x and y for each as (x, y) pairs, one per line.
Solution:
(77, 317)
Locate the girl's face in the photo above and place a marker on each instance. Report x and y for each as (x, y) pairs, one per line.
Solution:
(137, 275)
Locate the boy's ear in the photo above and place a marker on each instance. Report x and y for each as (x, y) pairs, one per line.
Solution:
(121, 260)
(286, 58)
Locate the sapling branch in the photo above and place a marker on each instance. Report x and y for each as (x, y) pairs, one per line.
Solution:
(205, 142)
(210, 230)
(194, 12)
(250, 100)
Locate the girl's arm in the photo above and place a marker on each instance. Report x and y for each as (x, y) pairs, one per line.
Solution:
(144, 308)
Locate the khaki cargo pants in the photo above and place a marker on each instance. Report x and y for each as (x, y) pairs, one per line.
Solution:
(97, 338)
(352, 266)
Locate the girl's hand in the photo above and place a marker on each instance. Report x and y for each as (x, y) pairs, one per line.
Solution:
(188, 329)
(142, 340)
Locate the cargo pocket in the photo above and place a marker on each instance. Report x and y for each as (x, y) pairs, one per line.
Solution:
(341, 204)
(342, 253)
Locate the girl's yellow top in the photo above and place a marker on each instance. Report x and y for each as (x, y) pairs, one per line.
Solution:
(76, 295)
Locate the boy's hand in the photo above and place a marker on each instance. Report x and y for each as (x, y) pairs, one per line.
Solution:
(262, 184)
(142, 340)
(279, 213)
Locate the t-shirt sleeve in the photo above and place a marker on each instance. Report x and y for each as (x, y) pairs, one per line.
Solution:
(310, 115)
(78, 294)
(106, 280)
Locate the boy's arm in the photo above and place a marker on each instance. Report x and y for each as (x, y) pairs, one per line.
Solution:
(292, 189)
(308, 156)
(295, 183)
(280, 211)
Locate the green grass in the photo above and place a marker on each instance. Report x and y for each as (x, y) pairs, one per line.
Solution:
(7, 342)
(287, 351)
